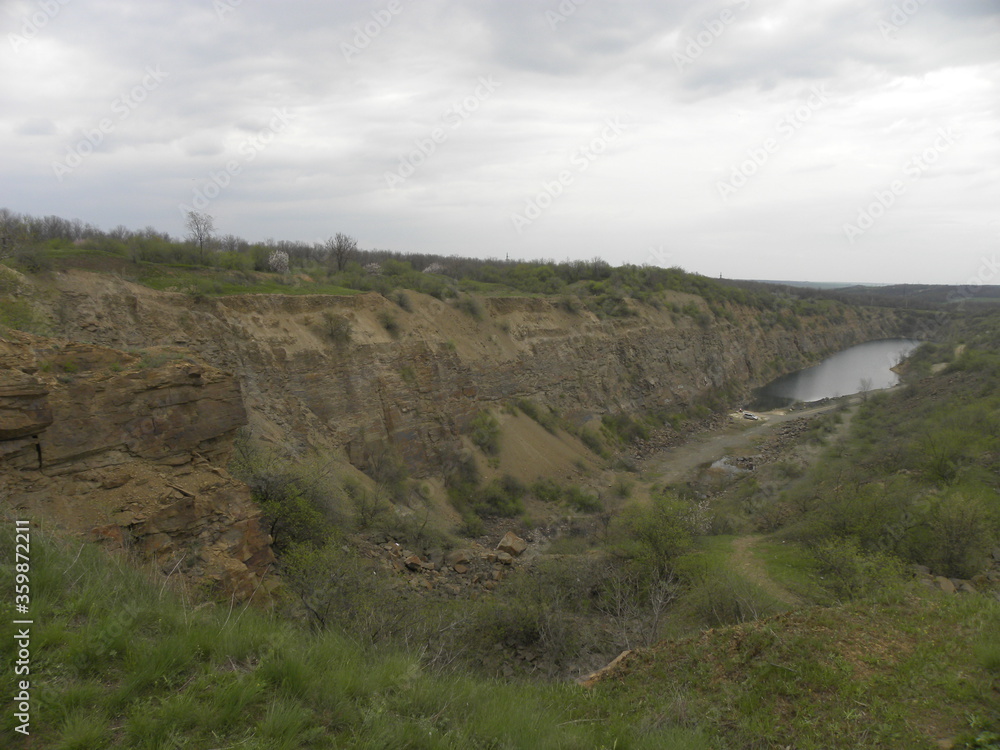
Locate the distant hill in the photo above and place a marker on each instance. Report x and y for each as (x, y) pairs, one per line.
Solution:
(920, 294)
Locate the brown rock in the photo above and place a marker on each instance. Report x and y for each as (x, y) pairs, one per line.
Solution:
(504, 559)
(945, 585)
(457, 557)
(24, 406)
(512, 544)
(460, 568)
(413, 562)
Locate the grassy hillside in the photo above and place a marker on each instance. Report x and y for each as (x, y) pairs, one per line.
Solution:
(118, 660)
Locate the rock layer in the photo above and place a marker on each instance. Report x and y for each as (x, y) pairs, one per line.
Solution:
(130, 453)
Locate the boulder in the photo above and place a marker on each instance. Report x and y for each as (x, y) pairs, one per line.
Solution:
(945, 585)
(457, 557)
(505, 559)
(512, 544)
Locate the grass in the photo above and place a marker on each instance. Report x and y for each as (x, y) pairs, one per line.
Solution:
(220, 283)
(896, 674)
(121, 662)
(791, 567)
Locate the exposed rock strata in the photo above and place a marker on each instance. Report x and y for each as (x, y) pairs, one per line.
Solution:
(131, 455)
(420, 390)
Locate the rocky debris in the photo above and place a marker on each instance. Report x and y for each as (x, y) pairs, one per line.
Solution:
(512, 544)
(984, 582)
(460, 572)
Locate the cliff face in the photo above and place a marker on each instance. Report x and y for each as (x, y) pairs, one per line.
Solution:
(419, 386)
(132, 453)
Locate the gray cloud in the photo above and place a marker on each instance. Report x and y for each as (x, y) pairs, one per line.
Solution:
(372, 89)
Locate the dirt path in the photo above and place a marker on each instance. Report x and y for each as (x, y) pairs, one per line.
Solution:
(675, 464)
(748, 565)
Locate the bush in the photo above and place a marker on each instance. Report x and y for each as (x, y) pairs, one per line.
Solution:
(486, 433)
(848, 572)
(19, 315)
(720, 597)
(503, 497)
(337, 328)
(389, 323)
(471, 306)
(402, 299)
(547, 491)
(578, 499)
(541, 414)
(959, 534)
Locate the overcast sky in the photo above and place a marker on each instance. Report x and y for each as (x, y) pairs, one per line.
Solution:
(809, 139)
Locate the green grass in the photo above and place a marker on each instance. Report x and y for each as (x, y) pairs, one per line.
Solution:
(901, 674)
(222, 283)
(791, 567)
(120, 662)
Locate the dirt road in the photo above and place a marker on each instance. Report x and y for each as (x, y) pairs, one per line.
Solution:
(741, 438)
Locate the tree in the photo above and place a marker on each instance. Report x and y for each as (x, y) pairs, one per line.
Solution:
(341, 248)
(864, 388)
(12, 233)
(200, 228)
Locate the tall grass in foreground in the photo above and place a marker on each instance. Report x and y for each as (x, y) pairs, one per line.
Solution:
(120, 661)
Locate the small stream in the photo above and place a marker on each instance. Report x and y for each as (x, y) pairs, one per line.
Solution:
(863, 367)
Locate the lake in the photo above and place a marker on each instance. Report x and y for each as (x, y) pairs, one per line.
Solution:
(862, 367)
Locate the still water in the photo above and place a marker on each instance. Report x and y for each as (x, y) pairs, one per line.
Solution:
(862, 367)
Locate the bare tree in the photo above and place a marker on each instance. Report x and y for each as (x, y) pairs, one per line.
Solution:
(864, 388)
(341, 248)
(12, 233)
(200, 228)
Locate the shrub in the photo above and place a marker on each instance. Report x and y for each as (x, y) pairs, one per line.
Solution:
(486, 433)
(402, 299)
(547, 490)
(578, 499)
(19, 314)
(958, 535)
(499, 498)
(541, 414)
(720, 597)
(389, 323)
(593, 441)
(337, 328)
(471, 306)
(849, 573)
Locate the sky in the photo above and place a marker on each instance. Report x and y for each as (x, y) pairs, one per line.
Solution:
(823, 140)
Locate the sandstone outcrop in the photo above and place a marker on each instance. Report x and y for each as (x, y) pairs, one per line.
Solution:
(419, 387)
(132, 453)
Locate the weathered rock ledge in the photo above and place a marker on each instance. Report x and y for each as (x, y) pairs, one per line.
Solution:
(110, 447)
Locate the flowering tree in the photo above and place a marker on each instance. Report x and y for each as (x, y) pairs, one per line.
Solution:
(278, 262)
